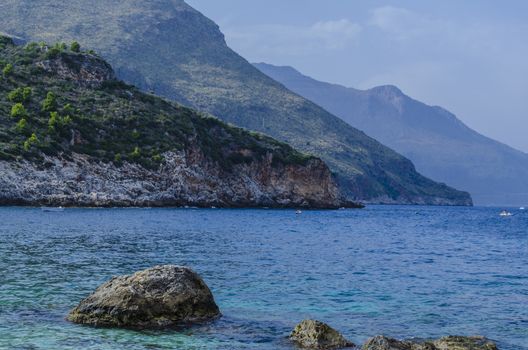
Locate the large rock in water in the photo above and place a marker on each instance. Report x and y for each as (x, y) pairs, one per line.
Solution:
(311, 334)
(162, 296)
(446, 343)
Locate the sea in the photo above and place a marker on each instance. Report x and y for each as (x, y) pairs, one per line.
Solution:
(400, 271)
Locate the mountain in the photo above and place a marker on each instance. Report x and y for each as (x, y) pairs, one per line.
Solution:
(72, 134)
(438, 143)
(167, 47)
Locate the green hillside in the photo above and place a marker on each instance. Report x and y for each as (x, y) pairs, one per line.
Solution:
(56, 100)
(166, 47)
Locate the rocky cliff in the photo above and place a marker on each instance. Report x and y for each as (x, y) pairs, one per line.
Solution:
(72, 135)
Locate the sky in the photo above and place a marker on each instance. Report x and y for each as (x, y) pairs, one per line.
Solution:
(470, 57)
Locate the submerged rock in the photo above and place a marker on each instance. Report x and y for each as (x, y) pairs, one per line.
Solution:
(446, 343)
(381, 342)
(312, 334)
(464, 343)
(162, 296)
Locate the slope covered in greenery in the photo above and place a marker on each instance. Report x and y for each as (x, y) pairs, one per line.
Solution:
(169, 48)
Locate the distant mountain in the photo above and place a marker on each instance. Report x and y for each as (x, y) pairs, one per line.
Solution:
(167, 47)
(72, 134)
(440, 145)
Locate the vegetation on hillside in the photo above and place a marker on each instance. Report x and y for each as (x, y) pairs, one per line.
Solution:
(44, 113)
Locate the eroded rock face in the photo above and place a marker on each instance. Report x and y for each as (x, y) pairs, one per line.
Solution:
(159, 297)
(446, 343)
(184, 178)
(86, 70)
(312, 334)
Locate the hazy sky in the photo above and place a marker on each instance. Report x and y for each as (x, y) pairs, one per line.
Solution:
(469, 56)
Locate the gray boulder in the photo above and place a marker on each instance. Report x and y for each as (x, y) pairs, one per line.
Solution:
(446, 343)
(464, 343)
(311, 334)
(162, 296)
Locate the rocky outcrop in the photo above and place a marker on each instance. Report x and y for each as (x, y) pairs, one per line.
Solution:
(162, 296)
(446, 343)
(86, 70)
(312, 334)
(464, 343)
(185, 178)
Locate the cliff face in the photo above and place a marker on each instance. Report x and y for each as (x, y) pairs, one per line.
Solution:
(72, 135)
(168, 47)
(184, 179)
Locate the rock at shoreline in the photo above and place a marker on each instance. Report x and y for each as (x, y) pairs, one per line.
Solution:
(446, 343)
(159, 297)
(311, 334)
(464, 343)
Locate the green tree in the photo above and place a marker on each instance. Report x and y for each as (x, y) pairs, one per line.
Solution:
(53, 121)
(75, 47)
(16, 95)
(8, 70)
(31, 141)
(19, 95)
(26, 93)
(50, 103)
(18, 111)
(21, 126)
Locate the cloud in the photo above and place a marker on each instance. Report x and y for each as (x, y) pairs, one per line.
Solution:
(290, 40)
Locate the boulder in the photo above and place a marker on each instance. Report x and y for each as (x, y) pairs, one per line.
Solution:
(464, 343)
(162, 296)
(381, 342)
(446, 343)
(312, 334)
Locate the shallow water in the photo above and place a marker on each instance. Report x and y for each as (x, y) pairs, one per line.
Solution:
(400, 271)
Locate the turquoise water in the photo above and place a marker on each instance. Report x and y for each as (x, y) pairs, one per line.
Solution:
(399, 271)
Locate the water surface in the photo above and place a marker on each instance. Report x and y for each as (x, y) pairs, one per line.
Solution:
(399, 271)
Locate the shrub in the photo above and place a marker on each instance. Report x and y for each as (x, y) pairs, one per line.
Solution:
(19, 95)
(136, 153)
(75, 47)
(8, 70)
(50, 103)
(16, 95)
(157, 158)
(117, 158)
(18, 111)
(26, 94)
(21, 126)
(66, 120)
(68, 109)
(53, 121)
(31, 141)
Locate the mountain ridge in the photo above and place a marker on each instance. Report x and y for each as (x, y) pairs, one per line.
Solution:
(440, 144)
(171, 49)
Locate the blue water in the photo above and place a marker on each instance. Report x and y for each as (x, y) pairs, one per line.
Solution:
(399, 271)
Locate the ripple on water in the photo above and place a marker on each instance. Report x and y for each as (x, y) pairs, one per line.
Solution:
(400, 271)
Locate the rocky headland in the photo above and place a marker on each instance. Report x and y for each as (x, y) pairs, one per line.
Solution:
(73, 135)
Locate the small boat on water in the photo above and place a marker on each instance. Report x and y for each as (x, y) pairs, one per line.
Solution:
(52, 209)
(298, 212)
(505, 213)
(521, 208)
